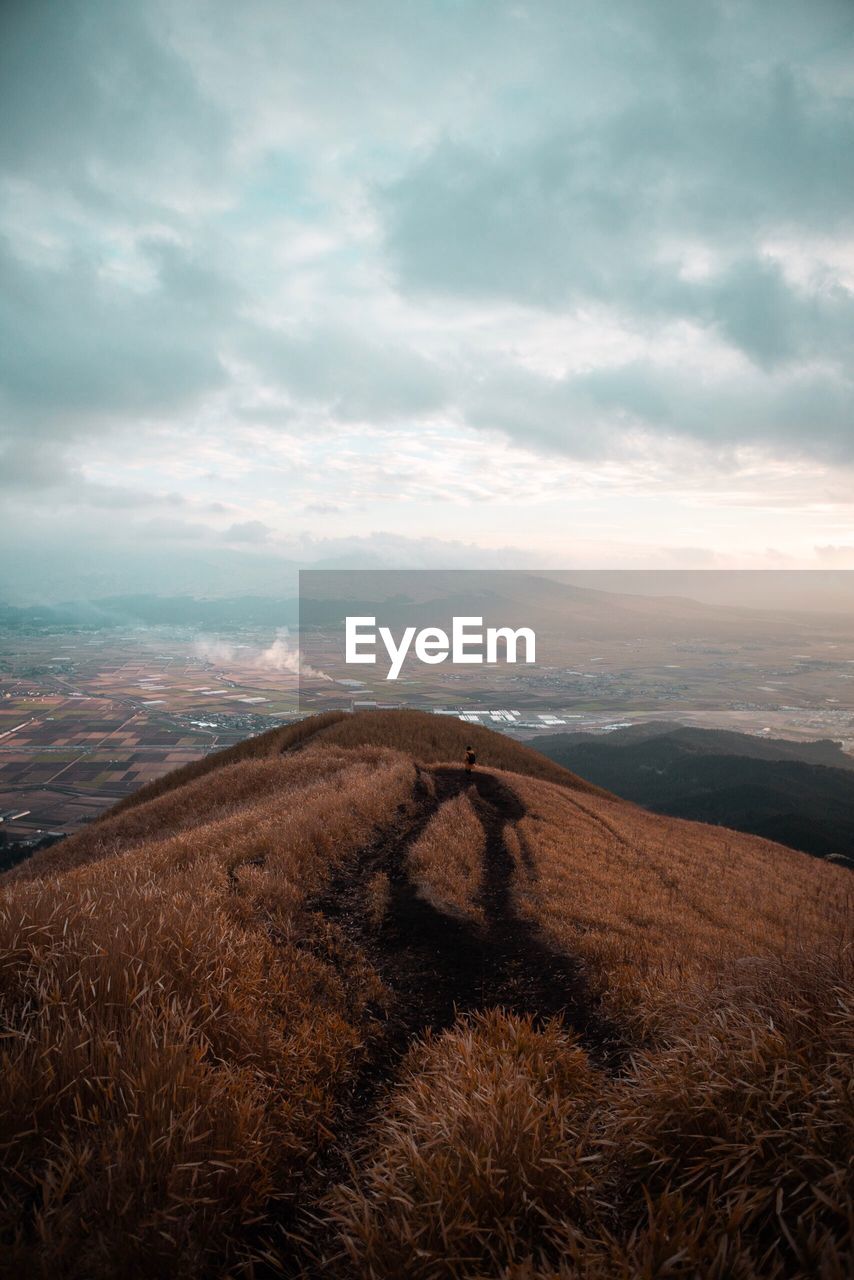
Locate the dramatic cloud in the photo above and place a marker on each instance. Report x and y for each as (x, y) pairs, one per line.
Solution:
(80, 349)
(310, 271)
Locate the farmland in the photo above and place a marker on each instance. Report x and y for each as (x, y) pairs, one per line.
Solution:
(91, 712)
(87, 718)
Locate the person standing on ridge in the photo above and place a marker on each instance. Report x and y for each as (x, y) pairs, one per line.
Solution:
(471, 759)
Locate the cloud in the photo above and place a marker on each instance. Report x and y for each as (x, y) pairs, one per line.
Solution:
(79, 349)
(601, 212)
(406, 267)
(806, 411)
(163, 529)
(321, 508)
(357, 378)
(30, 468)
(24, 466)
(248, 531)
(387, 549)
(837, 557)
(88, 87)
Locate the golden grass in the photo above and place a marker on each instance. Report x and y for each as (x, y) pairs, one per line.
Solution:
(737, 1138)
(432, 738)
(271, 743)
(427, 737)
(446, 861)
(377, 898)
(176, 1032)
(651, 903)
(232, 789)
(725, 1154)
(178, 1024)
(477, 1161)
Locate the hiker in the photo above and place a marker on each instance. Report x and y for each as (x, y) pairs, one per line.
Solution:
(471, 759)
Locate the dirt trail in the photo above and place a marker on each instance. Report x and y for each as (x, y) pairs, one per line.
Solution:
(447, 966)
(438, 966)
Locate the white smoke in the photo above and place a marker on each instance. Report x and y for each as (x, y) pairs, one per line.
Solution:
(209, 649)
(279, 656)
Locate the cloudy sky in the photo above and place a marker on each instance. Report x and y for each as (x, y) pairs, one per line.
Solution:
(449, 282)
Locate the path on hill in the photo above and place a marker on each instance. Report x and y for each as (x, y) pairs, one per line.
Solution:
(439, 966)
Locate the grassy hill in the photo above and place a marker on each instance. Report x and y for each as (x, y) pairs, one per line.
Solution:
(425, 736)
(801, 794)
(324, 1005)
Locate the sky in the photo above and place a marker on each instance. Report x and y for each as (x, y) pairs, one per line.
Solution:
(408, 283)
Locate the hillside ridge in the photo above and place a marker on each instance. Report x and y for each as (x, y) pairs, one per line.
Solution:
(343, 1009)
(799, 794)
(433, 737)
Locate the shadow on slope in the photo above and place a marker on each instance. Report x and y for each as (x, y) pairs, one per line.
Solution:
(439, 966)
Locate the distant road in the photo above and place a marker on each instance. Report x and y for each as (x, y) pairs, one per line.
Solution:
(23, 725)
(89, 749)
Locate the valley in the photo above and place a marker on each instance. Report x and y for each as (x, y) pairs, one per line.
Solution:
(97, 700)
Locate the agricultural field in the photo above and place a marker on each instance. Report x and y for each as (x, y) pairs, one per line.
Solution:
(87, 715)
(602, 659)
(86, 719)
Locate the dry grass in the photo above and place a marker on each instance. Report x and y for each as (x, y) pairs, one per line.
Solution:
(432, 738)
(263, 745)
(232, 789)
(177, 1026)
(736, 1140)
(722, 1155)
(427, 737)
(176, 1032)
(446, 861)
(377, 898)
(478, 1161)
(652, 903)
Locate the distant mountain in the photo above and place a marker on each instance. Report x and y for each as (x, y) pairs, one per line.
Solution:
(721, 742)
(151, 610)
(798, 793)
(555, 609)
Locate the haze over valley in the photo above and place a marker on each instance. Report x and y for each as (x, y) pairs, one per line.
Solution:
(98, 699)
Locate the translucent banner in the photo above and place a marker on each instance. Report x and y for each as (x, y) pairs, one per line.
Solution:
(765, 652)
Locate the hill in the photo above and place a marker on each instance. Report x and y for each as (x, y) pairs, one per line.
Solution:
(427, 736)
(325, 1005)
(719, 742)
(800, 794)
